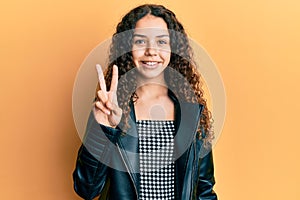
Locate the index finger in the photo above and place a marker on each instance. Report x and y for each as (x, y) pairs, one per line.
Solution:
(101, 78)
(114, 80)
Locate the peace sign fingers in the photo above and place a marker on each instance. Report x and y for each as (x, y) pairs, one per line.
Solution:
(106, 110)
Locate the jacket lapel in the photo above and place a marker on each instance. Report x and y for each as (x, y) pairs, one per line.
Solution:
(129, 145)
(185, 134)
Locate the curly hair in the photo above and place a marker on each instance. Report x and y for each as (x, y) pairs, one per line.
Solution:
(181, 61)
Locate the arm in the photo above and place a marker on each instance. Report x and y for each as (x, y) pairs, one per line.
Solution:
(206, 179)
(91, 170)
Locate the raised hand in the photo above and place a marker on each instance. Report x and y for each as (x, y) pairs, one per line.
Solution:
(106, 109)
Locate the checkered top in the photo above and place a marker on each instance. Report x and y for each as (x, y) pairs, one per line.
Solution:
(156, 144)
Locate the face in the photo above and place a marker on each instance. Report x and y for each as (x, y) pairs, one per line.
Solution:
(151, 49)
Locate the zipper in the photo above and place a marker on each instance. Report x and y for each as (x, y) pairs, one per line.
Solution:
(130, 175)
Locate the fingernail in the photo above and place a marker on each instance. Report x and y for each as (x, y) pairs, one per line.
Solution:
(108, 112)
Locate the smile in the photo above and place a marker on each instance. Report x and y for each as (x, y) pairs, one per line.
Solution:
(150, 63)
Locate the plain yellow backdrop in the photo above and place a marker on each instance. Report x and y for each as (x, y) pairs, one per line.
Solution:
(255, 45)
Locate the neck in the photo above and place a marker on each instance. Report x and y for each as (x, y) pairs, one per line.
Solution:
(151, 87)
(159, 80)
(151, 90)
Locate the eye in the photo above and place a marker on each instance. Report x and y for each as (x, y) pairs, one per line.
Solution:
(139, 42)
(162, 42)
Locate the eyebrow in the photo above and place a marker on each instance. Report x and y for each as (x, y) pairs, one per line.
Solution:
(144, 36)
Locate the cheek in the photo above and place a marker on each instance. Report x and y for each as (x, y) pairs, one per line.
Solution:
(166, 55)
(136, 54)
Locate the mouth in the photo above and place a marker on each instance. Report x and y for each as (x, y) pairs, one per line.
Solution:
(150, 64)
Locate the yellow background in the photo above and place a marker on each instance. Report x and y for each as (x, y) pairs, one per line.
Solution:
(255, 45)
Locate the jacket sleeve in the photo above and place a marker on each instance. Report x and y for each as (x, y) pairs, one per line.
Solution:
(91, 170)
(206, 179)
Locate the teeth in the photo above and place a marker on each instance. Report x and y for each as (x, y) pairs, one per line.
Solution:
(151, 63)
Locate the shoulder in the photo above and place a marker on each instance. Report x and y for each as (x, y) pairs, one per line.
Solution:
(184, 105)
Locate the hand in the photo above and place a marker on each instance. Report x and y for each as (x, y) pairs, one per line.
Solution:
(106, 109)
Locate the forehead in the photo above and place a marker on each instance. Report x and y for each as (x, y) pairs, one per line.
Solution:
(151, 25)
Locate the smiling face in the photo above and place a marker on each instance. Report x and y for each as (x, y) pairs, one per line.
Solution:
(151, 49)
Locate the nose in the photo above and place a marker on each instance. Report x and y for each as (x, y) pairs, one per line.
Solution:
(151, 49)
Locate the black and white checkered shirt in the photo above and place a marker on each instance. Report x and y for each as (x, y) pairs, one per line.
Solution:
(156, 144)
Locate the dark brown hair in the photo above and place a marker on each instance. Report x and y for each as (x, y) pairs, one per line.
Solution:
(181, 61)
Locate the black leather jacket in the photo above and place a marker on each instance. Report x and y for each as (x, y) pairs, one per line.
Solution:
(108, 161)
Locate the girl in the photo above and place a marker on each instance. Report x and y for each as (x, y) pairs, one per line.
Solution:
(149, 134)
